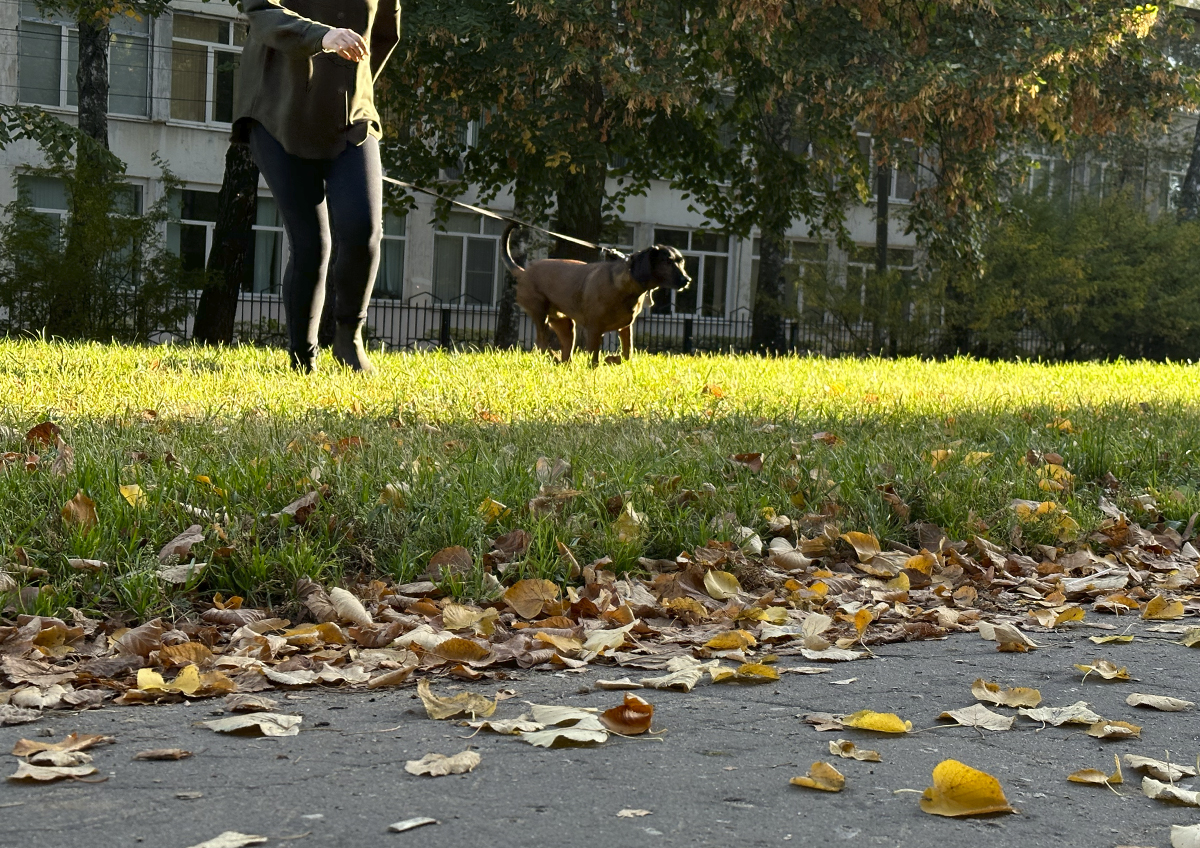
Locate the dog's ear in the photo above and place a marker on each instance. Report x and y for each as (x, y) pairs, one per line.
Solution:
(640, 266)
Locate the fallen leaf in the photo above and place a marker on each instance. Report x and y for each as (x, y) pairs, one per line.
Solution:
(248, 703)
(822, 776)
(832, 654)
(80, 511)
(409, 824)
(977, 715)
(1010, 639)
(16, 715)
(629, 525)
(468, 703)
(878, 722)
(1169, 772)
(865, 545)
(46, 433)
(163, 754)
(181, 545)
(1057, 616)
(629, 814)
(731, 640)
(1018, 697)
(349, 608)
(391, 678)
(231, 839)
(1077, 713)
(1185, 837)
(439, 765)
(1191, 639)
(1108, 640)
(752, 461)
(73, 742)
(459, 617)
(848, 750)
(684, 674)
(753, 673)
(133, 494)
(630, 718)
(1097, 777)
(600, 641)
(25, 771)
(257, 724)
(959, 790)
(1159, 608)
(1114, 730)
(823, 721)
(586, 730)
(1159, 702)
(623, 683)
(508, 726)
(530, 596)
(60, 759)
(1169, 794)
(1104, 669)
(721, 585)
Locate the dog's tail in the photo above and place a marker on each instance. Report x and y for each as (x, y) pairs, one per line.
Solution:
(506, 251)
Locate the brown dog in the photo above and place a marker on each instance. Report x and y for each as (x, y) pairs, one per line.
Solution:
(597, 296)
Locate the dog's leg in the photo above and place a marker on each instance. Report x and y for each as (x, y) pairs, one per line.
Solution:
(564, 328)
(626, 335)
(595, 338)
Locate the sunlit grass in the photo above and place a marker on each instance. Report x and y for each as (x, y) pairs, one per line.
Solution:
(454, 429)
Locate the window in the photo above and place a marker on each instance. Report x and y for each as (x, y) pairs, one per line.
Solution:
(389, 282)
(268, 247)
(48, 57)
(465, 257)
(706, 259)
(1172, 185)
(805, 270)
(861, 261)
(48, 197)
(204, 59)
(903, 183)
(190, 233)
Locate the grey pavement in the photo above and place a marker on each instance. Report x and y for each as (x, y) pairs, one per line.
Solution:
(719, 776)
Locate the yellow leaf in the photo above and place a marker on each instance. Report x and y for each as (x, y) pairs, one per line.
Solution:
(1191, 639)
(491, 510)
(1159, 608)
(80, 511)
(393, 495)
(864, 544)
(528, 597)
(1097, 777)
(721, 585)
(1105, 669)
(461, 650)
(864, 617)
(975, 457)
(1106, 640)
(565, 645)
(922, 562)
(939, 457)
(1018, 697)
(821, 776)
(848, 750)
(899, 583)
(1114, 730)
(629, 525)
(731, 640)
(756, 673)
(878, 722)
(959, 790)
(464, 702)
(1057, 616)
(133, 494)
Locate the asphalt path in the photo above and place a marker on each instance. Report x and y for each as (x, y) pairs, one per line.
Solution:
(717, 773)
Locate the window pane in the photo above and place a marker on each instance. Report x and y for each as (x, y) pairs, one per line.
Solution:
(240, 32)
(189, 81)
(72, 68)
(268, 247)
(40, 53)
(673, 238)
(129, 75)
(462, 222)
(193, 245)
(127, 200)
(224, 74)
(447, 267)
(200, 29)
(481, 270)
(265, 213)
(42, 192)
(685, 301)
(710, 242)
(130, 23)
(390, 280)
(195, 205)
(492, 227)
(715, 272)
(906, 185)
(394, 225)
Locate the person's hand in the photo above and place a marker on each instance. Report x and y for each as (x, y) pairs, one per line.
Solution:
(346, 43)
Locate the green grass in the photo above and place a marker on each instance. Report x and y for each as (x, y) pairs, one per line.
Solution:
(455, 429)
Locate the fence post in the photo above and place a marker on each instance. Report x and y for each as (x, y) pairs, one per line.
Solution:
(687, 335)
(794, 336)
(444, 339)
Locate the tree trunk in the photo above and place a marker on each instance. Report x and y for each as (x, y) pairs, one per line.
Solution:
(1189, 193)
(92, 76)
(766, 334)
(230, 262)
(581, 212)
(883, 187)
(508, 313)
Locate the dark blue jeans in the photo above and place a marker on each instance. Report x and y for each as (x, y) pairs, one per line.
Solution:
(313, 195)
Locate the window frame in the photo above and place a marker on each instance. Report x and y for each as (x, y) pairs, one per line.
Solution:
(698, 279)
(481, 235)
(402, 239)
(285, 249)
(209, 226)
(210, 66)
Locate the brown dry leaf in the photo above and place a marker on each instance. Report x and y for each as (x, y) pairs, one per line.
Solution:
(73, 742)
(468, 703)
(752, 461)
(461, 650)
(630, 718)
(1077, 713)
(300, 509)
(231, 839)
(629, 814)
(80, 511)
(257, 724)
(822, 776)
(141, 640)
(185, 653)
(1010, 639)
(181, 545)
(1159, 702)
(391, 678)
(731, 640)
(25, 771)
(1159, 608)
(1169, 794)
(877, 722)
(247, 702)
(59, 759)
(959, 790)
(1104, 669)
(163, 754)
(1097, 777)
(825, 438)
(721, 585)
(94, 566)
(977, 715)
(865, 545)
(1057, 616)
(1114, 730)
(508, 727)
(16, 715)
(1159, 769)
(1191, 639)
(46, 433)
(439, 765)
(530, 596)
(459, 617)
(1019, 696)
(848, 750)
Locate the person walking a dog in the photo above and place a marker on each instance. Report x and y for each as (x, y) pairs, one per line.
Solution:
(305, 105)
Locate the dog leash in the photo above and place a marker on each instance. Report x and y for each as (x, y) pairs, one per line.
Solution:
(488, 213)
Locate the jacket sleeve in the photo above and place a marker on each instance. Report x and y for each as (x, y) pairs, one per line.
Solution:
(385, 34)
(284, 30)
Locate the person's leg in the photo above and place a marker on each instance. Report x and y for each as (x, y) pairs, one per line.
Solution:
(354, 192)
(299, 192)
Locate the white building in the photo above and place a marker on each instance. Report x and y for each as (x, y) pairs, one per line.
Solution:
(171, 99)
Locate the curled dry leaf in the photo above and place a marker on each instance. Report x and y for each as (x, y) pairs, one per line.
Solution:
(1114, 730)
(231, 839)
(1160, 608)
(59, 759)
(349, 608)
(977, 715)
(1185, 837)
(528, 598)
(822, 776)
(1191, 638)
(439, 765)
(409, 824)
(630, 718)
(80, 511)
(248, 703)
(630, 814)
(257, 724)
(1159, 702)
(391, 678)
(163, 754)
(959, 790)
(141, 640)
(1159, 769)
(731, 640)
(464, 703)
(1169, 794)
(1057, 616)
(1104, 669)
(1077, 713)
(623, 683)
(721, 585)
(16, 715)
(25, 771)
(94, 566)
(1097, 777)
(877, 722)
(181, 545)
(1020, 696)
(571, 726)
(508, 726)
(73, 742)
(1010, 639)
(846, 749)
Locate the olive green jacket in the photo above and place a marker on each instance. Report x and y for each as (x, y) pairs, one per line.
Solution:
(311, 101)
